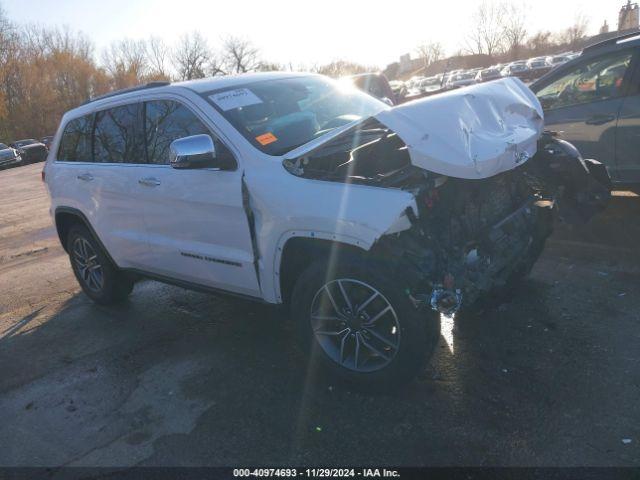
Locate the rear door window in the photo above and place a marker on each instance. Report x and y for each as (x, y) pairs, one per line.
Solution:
(119, 135)
(75, 144)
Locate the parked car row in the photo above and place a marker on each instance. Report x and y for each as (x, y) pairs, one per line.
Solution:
(591, 98)
(527, 70)
(24, 152)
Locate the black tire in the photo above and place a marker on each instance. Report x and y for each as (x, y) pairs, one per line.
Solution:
(114, 286)
(419, 330)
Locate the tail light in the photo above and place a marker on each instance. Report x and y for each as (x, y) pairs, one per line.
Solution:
(42, 175)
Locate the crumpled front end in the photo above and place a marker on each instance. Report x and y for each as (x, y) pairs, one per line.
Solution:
(471, 238)
(487, 185)
(472, 133)
(468, 239)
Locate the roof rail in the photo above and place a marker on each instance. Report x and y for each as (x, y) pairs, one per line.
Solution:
(128, 90)
(611, 41)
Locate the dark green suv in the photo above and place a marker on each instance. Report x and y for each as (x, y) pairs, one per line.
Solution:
(594, 101)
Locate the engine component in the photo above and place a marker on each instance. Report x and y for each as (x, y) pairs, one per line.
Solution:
(446, 302)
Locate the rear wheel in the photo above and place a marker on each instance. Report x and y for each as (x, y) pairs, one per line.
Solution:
(99, 278)
(359, 325)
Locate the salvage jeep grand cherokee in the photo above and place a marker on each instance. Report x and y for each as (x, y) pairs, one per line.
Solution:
(368, 221)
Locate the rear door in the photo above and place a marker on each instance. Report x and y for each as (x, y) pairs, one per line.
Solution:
(197, 226)
(628, 134)
(119, 155)
(94, 174)
(71, 178)
(583, 102)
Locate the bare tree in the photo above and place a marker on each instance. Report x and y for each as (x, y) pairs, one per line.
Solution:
(192, 56)
(430, 52)
(487, 34)
(126, 62)
(216, 66)
(514, 29)
(540, 43)
(339, 68)
(574, 35)
(157, 55)
(239, 55)
(5, 24)
(10, 81)
(43, 73)
(271, 67)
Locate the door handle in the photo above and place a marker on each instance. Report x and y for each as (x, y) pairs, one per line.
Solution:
(149, 182)
(87, 177)
(600, 119)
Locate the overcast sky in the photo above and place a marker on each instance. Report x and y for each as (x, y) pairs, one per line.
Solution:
(371, 32)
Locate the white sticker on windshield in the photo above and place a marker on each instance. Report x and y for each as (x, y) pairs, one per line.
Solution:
(240, 97)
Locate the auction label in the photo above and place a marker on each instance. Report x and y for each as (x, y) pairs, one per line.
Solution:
(239, 97)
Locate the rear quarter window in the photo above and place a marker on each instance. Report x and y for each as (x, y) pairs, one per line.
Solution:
(75, 145)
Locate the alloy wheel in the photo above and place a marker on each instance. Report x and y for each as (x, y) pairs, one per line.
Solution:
(87, 264)
(355, 325)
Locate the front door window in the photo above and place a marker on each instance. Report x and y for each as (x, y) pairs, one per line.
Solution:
(596, 80)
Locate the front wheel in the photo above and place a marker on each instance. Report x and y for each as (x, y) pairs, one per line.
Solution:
(357, 323)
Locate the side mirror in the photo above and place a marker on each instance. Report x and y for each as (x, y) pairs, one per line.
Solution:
(197, 151)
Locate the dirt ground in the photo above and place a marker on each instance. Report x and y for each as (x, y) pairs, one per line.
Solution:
(174, 377)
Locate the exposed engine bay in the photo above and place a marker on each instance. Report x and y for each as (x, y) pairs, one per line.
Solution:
(371, 154)
(469, 237)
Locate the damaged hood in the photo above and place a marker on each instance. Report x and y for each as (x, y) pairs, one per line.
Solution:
(475, 132)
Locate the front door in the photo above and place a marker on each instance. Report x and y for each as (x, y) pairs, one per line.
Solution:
(197, 227)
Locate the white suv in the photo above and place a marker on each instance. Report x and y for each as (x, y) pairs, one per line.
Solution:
(368, 221)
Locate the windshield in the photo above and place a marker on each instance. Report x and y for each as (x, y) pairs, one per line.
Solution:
(3, 146)
(277, 116)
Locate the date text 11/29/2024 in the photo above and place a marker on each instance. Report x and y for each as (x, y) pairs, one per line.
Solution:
(316, 472)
